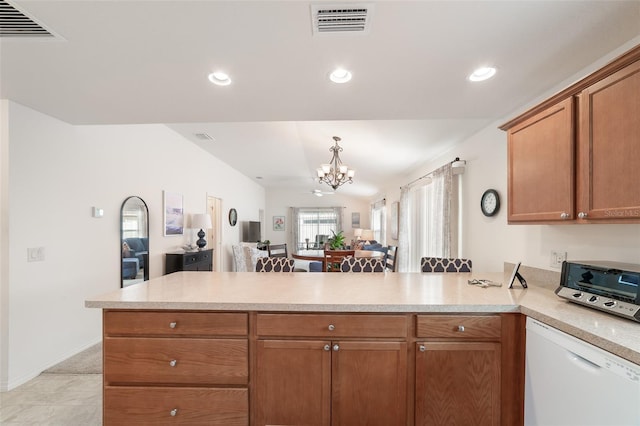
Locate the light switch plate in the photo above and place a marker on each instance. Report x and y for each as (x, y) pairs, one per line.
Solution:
(557, 257)
(35, 254)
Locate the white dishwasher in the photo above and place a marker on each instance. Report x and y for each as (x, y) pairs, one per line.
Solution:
(569, 382)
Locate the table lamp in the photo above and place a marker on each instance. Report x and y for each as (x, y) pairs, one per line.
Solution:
(202, 221)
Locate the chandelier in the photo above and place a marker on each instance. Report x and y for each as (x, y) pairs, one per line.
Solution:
(335, 173)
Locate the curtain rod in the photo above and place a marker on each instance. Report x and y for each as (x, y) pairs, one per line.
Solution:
(428, 175)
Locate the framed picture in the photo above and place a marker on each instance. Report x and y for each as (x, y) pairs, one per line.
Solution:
(355, 220)
(173, 214)
(278, 223)
(395, 207)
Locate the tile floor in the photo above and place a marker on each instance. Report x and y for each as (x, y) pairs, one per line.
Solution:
(54, 400)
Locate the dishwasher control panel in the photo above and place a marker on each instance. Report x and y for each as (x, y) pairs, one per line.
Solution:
(608, 286)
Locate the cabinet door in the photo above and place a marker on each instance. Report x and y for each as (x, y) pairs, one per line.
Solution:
(293, 382)
(609, 147)
(369, 383)
(457, 384)
(541, 166)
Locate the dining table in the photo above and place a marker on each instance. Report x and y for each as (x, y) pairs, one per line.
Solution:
(318, 255)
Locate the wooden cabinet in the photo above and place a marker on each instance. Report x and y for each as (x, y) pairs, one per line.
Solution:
(459, 370)
(540, 177)
(574, 157)
(189, 261)
(345, 375)
(176, 367)
(609, 147)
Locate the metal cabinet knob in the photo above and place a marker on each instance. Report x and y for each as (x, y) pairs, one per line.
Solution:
(331, 327)
(422, 348)
(336, 347)
(173, 324)
(582, 215)
(173, 362)
(174, 412)
(564, 215)
(327, 347)
(461, 328)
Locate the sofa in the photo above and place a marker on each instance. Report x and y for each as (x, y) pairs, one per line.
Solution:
(138, 248)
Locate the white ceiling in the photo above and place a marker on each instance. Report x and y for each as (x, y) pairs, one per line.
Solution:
(125, 62)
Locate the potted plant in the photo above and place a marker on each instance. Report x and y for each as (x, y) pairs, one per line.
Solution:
(337, 241)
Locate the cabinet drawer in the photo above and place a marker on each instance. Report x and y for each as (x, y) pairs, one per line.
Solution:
(191, 258)
(459, 326)
(193, 406)
(328, 325)
(175, 361)
(168, 323)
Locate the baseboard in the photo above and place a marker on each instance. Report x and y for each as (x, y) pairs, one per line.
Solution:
(12, 384)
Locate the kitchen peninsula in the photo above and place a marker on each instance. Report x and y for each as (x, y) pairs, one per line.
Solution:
(393, 348)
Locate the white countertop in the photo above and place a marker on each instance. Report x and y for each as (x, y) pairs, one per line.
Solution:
(378, 293)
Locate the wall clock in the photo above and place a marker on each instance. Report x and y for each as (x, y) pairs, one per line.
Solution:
(490, 202)
(233, 217)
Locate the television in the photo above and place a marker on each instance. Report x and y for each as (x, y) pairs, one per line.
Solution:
(250, 232)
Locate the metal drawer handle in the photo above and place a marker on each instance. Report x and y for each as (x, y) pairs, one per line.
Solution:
(327, 347)
(461, 328)
(173, 362)
(331, 327)
(422, 348)
(336, 347)
(564, 215)
(174, 412)
(173, 324)
(582, 215)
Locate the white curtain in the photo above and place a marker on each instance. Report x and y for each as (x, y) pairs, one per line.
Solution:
(428, 219)
(310, 222)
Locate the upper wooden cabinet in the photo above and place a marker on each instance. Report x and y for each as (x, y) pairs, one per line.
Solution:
(609, 148)
(540, 151)
(574, 157)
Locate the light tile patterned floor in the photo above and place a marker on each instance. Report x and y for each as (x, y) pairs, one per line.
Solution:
(54, 400)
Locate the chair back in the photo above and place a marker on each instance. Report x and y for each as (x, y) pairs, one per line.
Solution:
(362, 264)
(440, 264)
(392, 258)
(277, 250)
(274, 264)
(333, 259)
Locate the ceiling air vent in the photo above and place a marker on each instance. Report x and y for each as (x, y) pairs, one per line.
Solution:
(354, 18)
(14, 23)
(203, 137)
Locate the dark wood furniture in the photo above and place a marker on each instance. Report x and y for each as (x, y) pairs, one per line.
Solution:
(189, 261)
(318, 255)
(333, 259)
(391, 259)
(277, 250)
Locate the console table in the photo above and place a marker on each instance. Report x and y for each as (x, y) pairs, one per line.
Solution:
(201, 260)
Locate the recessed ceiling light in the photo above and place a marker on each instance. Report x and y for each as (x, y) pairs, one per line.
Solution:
(340, 75)
(219, 78)
(483, 73)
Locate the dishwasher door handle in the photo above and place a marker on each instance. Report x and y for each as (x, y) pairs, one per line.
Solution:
(583, 362)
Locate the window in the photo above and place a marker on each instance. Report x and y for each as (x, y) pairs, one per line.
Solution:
(429, 222)
(315, 225)
(378, 221)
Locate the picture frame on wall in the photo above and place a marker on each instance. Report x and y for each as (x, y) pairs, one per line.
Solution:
(278, 223)
(173, 213)
(355, 220)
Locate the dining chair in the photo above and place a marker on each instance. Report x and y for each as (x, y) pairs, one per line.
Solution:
(441, 264)
(362, 264)
(274, 264)
(277, 250)
(333, 259)
(392, 258)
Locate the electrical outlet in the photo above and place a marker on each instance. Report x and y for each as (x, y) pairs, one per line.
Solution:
(557, 257)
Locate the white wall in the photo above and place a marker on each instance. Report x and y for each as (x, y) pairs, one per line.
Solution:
(490, 241)
(279, 201)
(57, 172)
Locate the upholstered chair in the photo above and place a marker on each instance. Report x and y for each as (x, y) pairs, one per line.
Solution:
(362, 264)
(274, 264)
(440, 264)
